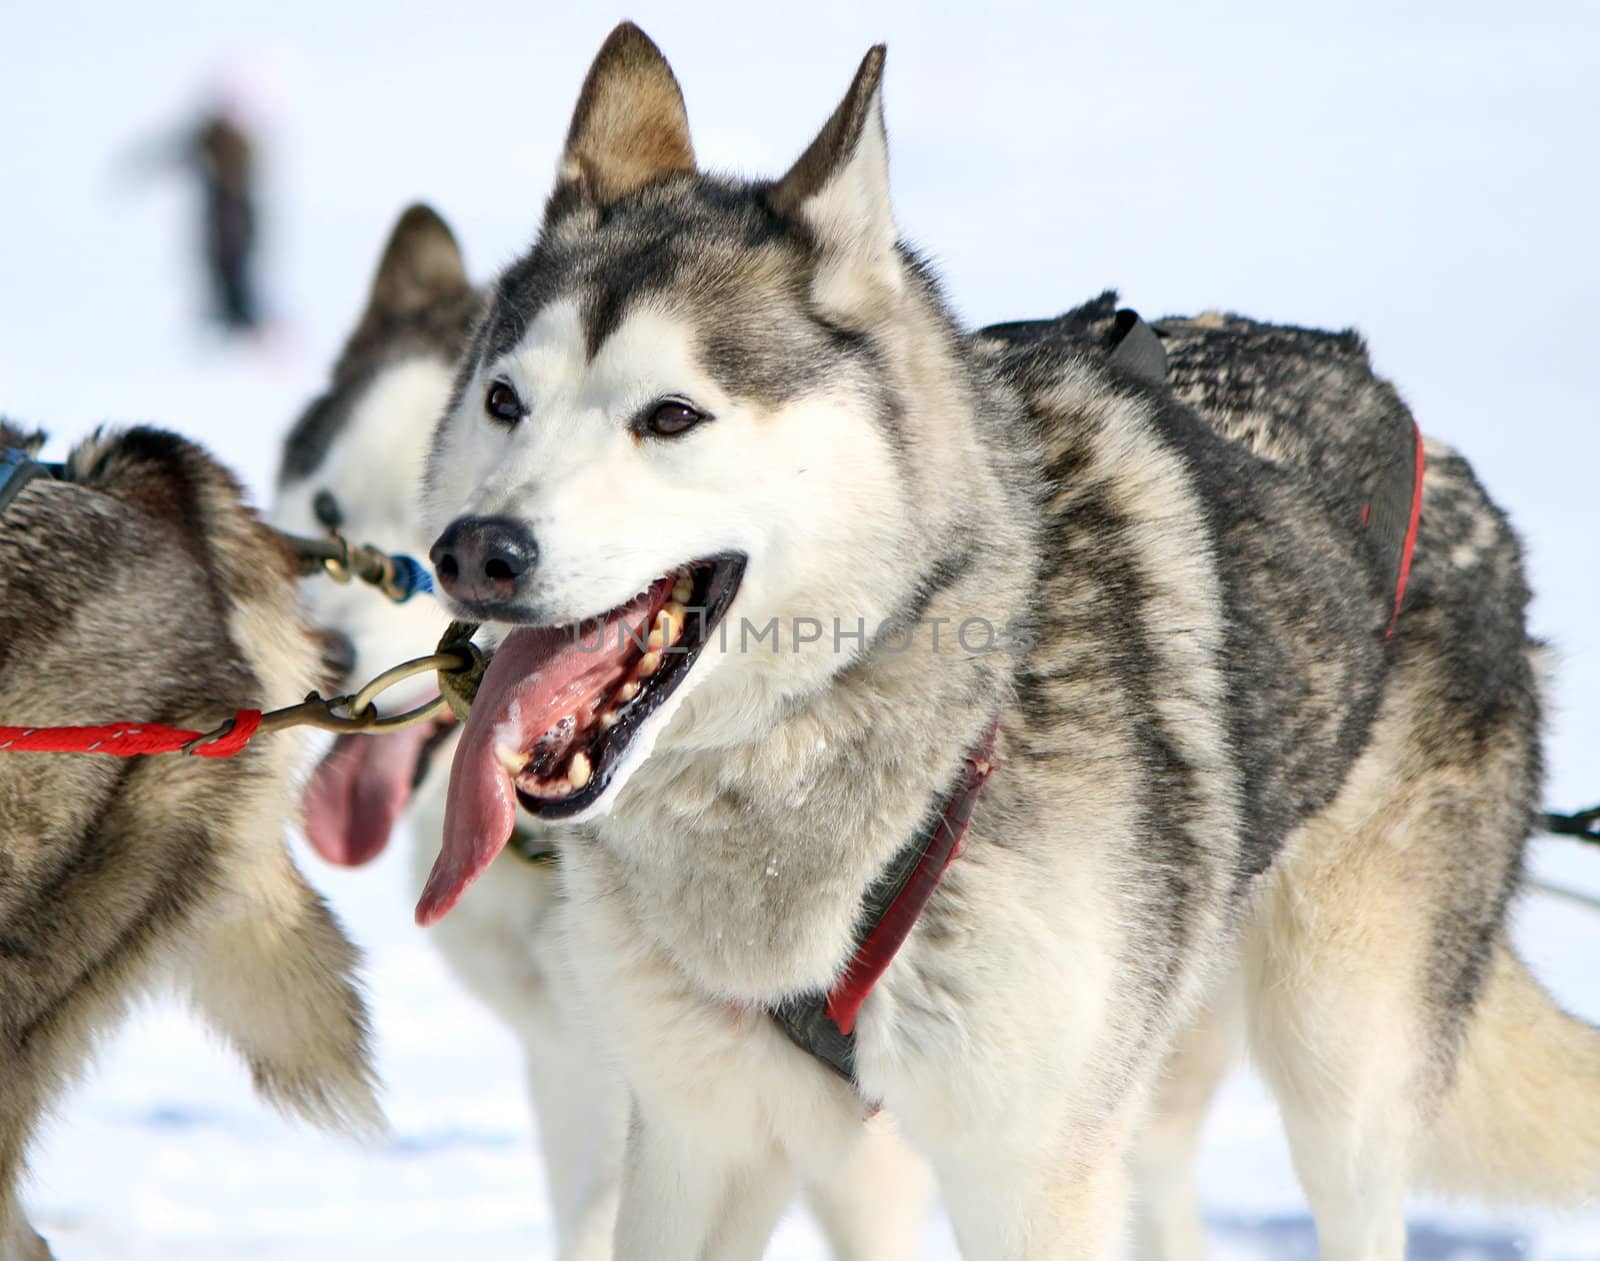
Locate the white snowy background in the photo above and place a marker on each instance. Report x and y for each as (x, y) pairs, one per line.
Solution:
(1425, 172)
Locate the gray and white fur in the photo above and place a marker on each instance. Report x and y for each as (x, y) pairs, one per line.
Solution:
(139, 586)
(1213, 769)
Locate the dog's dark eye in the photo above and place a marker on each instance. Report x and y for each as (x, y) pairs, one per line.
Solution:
(672, 417)
(502, 403)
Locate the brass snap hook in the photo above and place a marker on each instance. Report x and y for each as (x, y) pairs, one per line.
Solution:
(360, 706)
(358, 713)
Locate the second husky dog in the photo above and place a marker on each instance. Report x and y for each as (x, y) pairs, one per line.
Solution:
(355, 457)
(137, 586)
(719, 467)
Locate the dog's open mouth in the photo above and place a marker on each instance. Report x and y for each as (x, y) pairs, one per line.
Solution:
(582, 693)
(560, 709)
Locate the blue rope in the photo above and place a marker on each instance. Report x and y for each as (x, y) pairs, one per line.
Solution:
(411, 576)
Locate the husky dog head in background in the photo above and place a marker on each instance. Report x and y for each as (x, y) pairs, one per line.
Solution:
(683, 424)
(354, 460)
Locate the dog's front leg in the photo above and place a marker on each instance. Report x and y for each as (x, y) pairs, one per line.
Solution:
(581, 1103)
(1026, 1092)
(686, 1199)
(1067, 1204)
(1167, 1223)
(872, 1204)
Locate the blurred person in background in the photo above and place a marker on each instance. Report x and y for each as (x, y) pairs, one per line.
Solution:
(219, 151)
(222, 155)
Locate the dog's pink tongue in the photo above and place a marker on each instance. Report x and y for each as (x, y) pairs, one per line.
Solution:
(357, 793)
(529, 679)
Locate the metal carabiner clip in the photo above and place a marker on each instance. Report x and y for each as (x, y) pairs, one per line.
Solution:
(357, 713)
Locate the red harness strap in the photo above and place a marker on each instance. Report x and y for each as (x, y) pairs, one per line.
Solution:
(1410, 544)
(1392, 513)
(824, 1024)
(884, 939)
(129, 739)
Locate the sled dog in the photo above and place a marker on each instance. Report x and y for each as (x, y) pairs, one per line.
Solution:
(137, 585)
(803, 601)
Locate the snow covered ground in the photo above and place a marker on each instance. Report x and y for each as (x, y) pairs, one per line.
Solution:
(1425, 172)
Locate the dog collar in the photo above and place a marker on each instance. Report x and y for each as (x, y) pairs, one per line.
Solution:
(823, 1024)
(17, 469)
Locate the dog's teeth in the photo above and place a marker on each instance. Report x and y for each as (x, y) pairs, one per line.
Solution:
(669, 623)
(580, 770)
(649, 664)
(609, 719)
(683, 588)
(657, 638)
(512, 759)
(628, 691)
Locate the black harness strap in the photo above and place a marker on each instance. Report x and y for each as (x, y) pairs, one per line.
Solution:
(1136, 348)
(1392, 511)
(1583, 824)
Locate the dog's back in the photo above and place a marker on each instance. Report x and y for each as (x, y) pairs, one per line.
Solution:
(140, 587)
(1436, 809)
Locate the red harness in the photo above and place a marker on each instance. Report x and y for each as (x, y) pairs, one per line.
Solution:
(1410, 544)
(1391, 515)
(824, 1023)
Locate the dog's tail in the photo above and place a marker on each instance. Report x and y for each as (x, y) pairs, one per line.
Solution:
(1521, 1120)
(275, 978)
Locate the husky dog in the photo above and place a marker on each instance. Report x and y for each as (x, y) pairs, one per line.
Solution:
(138, 585)
(738, 419)
(1299, 396)
(355, 458)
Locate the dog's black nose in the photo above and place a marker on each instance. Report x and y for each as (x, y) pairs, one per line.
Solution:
(483, 558)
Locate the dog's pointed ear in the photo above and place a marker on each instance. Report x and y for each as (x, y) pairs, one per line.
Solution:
(630, 127)
(421, 265)
(840, 188)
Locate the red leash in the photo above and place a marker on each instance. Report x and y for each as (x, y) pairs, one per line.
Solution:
(130, 739)
(357, 713)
